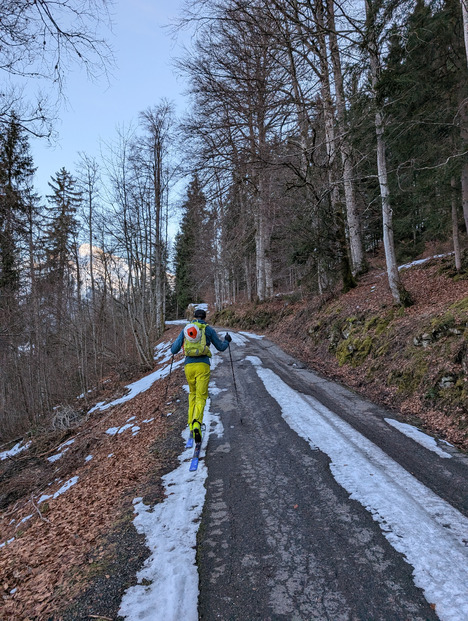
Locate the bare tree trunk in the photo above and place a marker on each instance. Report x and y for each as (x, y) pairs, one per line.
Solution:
(399, 294)
(217, 287)
(464, 4)
(303, 126)
(354, 224)
(248, 277)
(464, 171)
(455, 232)
(387, 213)
(260, 253)
(268, 278)
(464, 191)
(331, 142)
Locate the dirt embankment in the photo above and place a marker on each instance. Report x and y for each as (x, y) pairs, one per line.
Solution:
(414, 360)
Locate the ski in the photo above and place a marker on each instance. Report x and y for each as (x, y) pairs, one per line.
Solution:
(189, 441)
(195, 458)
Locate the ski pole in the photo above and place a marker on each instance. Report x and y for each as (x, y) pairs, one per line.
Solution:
(234, 379)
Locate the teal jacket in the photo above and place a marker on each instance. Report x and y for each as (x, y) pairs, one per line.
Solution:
(211, 339)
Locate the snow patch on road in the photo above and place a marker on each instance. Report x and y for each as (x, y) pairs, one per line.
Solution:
(428, 531)
(238, 339)
(250, 335)
(418, 436)
(242, 338)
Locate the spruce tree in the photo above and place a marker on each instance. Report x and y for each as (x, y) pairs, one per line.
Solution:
(60, 238)
(192, 254)
(424, 86)
(16, 173)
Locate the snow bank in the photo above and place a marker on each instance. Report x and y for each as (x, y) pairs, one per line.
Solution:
(168, 582)
(140, 386)
(167, 588)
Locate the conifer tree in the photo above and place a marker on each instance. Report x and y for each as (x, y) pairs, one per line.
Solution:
(60, 238)
(191, 248)
(425, 86)
(16, 173)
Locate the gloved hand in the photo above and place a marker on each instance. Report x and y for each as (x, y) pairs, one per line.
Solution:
(228, 338)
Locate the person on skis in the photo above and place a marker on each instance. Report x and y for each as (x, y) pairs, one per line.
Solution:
(196, 339)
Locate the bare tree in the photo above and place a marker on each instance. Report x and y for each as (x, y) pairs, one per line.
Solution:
(138, 167)
(399, 294)
(158, 123)
(353, 219)
(238, 91)
(40, 41)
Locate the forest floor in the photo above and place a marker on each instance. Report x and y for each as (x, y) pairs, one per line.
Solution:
(58, 538)
(69, 551)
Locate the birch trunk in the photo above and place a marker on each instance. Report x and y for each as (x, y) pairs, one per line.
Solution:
(399, 295)
(464, 186)
(464, 4)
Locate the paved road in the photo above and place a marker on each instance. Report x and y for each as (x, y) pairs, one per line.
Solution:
(280, 537)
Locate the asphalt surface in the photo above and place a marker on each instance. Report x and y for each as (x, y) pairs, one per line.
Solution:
(280, 539)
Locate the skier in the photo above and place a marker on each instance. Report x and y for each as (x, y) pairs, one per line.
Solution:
(196, 338)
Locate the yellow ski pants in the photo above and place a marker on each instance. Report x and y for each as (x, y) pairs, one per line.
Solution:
(198, 377)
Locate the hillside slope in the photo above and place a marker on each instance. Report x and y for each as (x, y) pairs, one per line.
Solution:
(66, 501)
(414, 360)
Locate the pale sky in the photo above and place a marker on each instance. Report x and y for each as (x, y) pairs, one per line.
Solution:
(143, 76)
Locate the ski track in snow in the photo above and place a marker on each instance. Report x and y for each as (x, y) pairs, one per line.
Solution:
(170, 575)
(428, 531)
